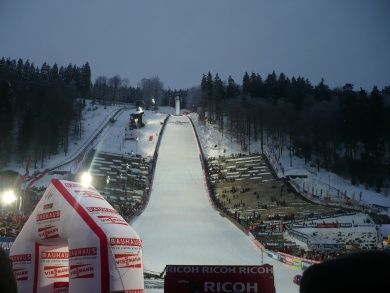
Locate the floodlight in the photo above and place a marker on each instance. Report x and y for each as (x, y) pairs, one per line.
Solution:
(8, 197)
(86, 179)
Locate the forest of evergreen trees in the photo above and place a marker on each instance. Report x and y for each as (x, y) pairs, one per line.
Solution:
(40, 109)
(114, 90)
(117, 90)
(342, 130)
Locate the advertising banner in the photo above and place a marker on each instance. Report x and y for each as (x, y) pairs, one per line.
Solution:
(6, 243)
(269, 234)
(75, 241)
(21, 264)
(327, 225)
(224, 279)
(297, 262)
(286, 258)
(53, 268)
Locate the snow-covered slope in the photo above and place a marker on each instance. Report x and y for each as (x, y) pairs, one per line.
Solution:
(114, 140)
(215, 144)
(179, 225)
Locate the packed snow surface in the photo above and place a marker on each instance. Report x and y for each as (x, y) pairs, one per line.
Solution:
(180, 226)
(114, 140)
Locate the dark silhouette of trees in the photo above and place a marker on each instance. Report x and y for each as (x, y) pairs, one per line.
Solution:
(340, 129)
(40, 108)
(114, 90)
(170, 95)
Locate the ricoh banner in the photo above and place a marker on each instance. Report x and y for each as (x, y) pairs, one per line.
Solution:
(75, 241)
(223, 279)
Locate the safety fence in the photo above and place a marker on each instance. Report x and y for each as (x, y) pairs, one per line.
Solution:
(340, 199)
(295, 261)
(204, 164)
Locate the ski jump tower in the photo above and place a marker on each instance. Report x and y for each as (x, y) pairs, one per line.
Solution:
(177, 105)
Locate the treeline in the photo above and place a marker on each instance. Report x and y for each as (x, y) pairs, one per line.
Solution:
(40, 108)
(342, 130)
(170, 95)
(115, 90)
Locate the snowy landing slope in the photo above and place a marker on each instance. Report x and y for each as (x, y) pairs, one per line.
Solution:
(179, 225)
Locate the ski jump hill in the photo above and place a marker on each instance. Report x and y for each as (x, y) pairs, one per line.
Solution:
(180, 225)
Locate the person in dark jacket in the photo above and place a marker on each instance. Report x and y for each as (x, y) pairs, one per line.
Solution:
(7, 279)
(358, 272)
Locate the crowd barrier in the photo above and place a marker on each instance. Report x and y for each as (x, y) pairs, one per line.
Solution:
(329, 225)
(295, 261)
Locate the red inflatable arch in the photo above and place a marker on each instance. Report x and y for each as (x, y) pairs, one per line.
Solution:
(75, 241)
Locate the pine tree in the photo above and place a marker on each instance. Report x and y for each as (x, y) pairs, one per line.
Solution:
(209, 95)
(232, 89)
(258, 87)
(85, 80)
(246, 85)
(53, 75)
(282, 86)
(45, 72)
(322, 91)
(270, 85)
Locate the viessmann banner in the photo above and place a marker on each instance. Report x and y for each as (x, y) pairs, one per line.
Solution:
(224, 279)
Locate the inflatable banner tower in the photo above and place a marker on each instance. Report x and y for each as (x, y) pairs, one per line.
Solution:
(75, 241)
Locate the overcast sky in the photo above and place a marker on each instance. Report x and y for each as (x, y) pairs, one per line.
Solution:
(178, 40)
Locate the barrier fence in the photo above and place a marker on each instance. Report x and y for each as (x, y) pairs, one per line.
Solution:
(203, 162)
(295, 261)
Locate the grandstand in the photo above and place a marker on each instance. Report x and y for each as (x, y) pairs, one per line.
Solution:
(246, 185)
(339, 236)
(122, 179)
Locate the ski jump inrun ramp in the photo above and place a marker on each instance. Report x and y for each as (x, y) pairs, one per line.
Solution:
(180, 226)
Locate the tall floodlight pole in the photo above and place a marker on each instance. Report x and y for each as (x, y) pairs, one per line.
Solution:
(107, 183)
(127, 175)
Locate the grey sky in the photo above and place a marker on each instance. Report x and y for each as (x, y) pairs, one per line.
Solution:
(178, 40)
